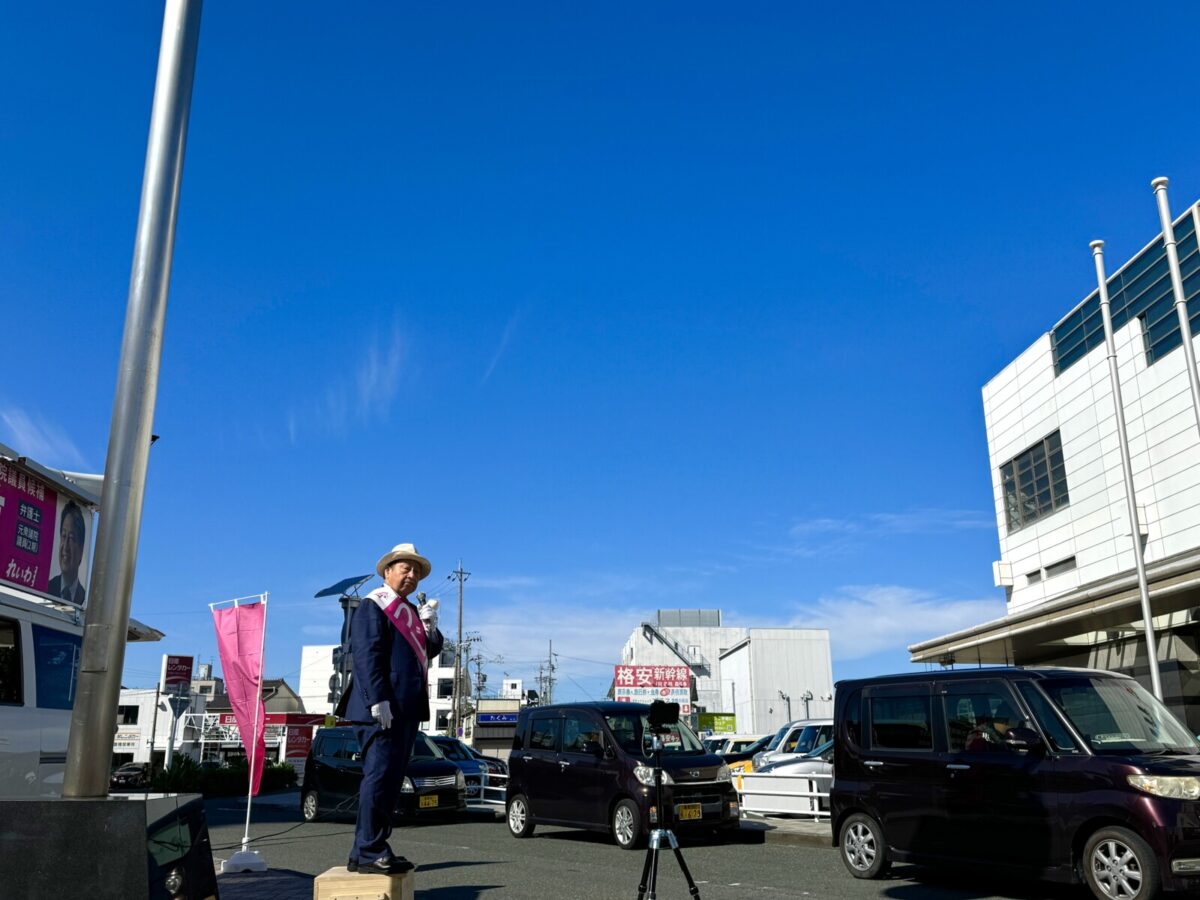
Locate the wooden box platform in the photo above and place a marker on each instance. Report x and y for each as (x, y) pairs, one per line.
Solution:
(342, 884)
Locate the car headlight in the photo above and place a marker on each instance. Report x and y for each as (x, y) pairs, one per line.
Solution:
(723, 773)
(1177, 787)
(174, 881)
(407, 787)
(459, 780)
(645, 774)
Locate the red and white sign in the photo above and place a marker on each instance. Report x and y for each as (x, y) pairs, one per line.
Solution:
(644, 684)
(177, 674)
(299, 740)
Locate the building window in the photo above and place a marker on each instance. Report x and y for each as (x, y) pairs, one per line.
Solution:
(1140, 289)
(445, 688)
(1035, 483)
(56, 664)
(443, 719)
(127, 715)
(1063, 565)
(10, 662)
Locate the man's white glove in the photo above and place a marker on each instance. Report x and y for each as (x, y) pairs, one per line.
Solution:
(383, 714)
(428, 614)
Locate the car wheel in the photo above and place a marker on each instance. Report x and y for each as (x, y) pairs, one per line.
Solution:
(520, 822)
(864, 851)
(627, 825)
(1119, 865)
(310, 806)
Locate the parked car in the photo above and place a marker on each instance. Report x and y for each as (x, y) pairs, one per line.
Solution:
(588, 765)
(495, 765)
(333, 773)
(1061, 774)
(797, 737)
(460, 754)
(740, 743)
(743, 760)
(129, 775)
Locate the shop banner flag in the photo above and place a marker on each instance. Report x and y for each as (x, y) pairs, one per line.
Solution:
(240, 643)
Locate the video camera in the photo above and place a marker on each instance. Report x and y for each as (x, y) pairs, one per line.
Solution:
(663, 716)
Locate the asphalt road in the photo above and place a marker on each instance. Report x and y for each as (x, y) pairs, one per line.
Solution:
(476, 857)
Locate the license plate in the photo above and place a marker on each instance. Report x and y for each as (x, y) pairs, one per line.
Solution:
(688, 812)
(428, 801)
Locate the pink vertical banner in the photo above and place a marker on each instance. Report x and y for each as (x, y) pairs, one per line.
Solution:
(240, 642)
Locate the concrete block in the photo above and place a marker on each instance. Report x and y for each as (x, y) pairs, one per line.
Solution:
(342, 884)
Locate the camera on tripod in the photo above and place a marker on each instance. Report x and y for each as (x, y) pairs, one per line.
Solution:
(662, 716)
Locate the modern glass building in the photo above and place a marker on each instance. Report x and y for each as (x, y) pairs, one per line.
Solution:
(1067, 562)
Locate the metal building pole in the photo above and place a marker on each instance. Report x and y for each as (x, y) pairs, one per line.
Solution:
(1185, 328)
(94, 715)
(1127, 467)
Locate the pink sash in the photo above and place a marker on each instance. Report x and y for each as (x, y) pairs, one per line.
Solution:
(403, 615)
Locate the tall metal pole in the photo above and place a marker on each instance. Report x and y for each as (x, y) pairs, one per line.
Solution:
(94, 716)
(1127, 468)
(1185, 328)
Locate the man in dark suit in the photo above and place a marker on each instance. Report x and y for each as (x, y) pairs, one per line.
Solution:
(391, 643)
(71, 535)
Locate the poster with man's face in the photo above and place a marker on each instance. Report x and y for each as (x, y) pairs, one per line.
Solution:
(69, 560)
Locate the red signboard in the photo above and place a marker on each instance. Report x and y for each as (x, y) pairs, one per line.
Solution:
(177, 673)
(653, 676)
(299, 740)
(278, 718)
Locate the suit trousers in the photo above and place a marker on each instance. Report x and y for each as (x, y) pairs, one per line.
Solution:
(385, 759)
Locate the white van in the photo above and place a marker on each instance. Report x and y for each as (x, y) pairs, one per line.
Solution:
(39, 666)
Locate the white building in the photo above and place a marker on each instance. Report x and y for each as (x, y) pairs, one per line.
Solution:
(139, 730)
(316, 670)
(761, 674)
(1066, 554)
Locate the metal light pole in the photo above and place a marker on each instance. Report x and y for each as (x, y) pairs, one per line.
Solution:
(93, 718)
(787, 698)
(1185, 328)
(1127, 467)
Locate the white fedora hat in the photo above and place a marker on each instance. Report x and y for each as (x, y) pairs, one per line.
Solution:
(404, 551)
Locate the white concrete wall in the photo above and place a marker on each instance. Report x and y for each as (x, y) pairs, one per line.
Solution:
(1025, 402)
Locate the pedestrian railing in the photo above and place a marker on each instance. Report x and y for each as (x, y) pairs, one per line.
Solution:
(766, 794)
(493, 789)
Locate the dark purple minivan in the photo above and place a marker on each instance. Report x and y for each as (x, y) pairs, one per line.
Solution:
(1062, 774)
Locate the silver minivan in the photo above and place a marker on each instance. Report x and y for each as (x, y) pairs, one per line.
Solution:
(795, 739)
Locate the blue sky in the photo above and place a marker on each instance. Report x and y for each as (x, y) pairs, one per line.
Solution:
(628, 308)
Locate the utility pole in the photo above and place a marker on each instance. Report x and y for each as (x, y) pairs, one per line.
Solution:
(550, 667)
(458, 652)
(480, 678)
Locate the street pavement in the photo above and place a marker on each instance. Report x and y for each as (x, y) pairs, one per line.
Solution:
(475, 858)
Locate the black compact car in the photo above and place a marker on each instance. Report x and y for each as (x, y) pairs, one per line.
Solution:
(130, 775)
(589, 765)
(333, 773)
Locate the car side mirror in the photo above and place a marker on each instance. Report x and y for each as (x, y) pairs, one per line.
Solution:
(593, 748)
(1024, 739)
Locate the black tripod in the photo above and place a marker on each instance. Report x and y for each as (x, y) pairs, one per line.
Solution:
(660, 835)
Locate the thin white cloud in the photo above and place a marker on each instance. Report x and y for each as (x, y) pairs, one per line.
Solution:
(505, 337)
(867, 619)
(352, 401)
(378, 376)
(322, 631)
(38, 439)
(828, 536)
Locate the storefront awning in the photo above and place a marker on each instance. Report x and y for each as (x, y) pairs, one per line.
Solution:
(1041, 631)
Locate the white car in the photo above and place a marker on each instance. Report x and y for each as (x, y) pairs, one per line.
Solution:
(795, 739)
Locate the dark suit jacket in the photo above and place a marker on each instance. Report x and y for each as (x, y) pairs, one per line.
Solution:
(55, 588)
(384, 668)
